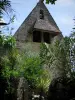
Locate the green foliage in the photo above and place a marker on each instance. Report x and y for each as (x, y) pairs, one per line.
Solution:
(8, 62)
(43, 81)
(50, 1)
(57, 56)
(72, 54)
(15, 65)
(7, 41)
(7, 54)
(5, 5)
(30, 69)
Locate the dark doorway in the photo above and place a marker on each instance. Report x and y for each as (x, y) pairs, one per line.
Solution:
(46, 37)
(36, 36)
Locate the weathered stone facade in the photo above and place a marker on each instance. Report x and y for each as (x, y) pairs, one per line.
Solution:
(38, 27)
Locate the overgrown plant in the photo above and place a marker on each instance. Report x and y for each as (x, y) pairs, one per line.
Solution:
(57, 57)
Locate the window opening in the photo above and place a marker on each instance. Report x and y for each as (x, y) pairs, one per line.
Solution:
(46, 37)
(41, 14)
(36, 36)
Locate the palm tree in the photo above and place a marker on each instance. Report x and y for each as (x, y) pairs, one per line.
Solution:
(5, 6)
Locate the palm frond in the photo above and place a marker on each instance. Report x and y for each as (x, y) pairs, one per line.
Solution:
(5, 5)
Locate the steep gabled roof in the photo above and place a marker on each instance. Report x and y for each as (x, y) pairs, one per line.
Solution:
(33, 21)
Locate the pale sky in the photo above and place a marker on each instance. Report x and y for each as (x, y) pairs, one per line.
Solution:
(63, 13)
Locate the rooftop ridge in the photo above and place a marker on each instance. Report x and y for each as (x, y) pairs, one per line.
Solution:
(41, 1)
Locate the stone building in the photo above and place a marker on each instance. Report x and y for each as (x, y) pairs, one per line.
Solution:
(38, 27)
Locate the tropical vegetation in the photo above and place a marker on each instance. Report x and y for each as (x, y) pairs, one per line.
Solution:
(55, 60)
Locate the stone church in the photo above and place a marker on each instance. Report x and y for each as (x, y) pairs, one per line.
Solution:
(37, 28)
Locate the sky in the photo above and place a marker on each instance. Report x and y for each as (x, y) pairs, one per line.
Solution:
(63, 13)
